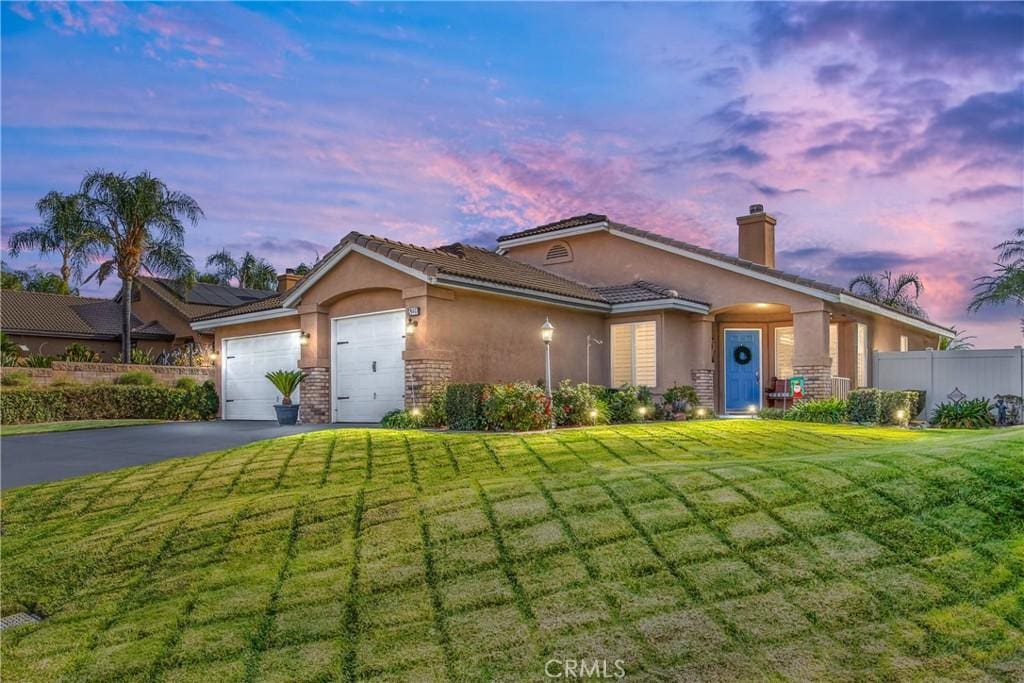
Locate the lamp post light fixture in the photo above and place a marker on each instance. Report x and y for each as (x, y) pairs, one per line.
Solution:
(547, 333)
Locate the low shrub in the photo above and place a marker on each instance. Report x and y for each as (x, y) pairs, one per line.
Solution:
(681, 394)
(463, 406)
(579, 404)
(890, 403)
(826, 411)
(973, 413)
(186, 383)
(918, 403)
(79, 353)
(10, 359)
(15, 379)
(630, 403)
(518, 407)
(771, 414)
(39, 362)
(139, 378)
(401, 419)
(107, 402)
(864, 405)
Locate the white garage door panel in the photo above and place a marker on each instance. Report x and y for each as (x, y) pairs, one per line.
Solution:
(369, 371)
(248, 395)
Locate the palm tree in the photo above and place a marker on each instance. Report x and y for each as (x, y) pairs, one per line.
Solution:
(250, 271)
(960, 341)
(65, 230)
(1007, 284)
(141, 221)
(900, 292)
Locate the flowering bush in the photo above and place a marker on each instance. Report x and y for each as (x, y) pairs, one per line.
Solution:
(579, 404)
(515, 407)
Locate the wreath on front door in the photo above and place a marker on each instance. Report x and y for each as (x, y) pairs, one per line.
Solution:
(742, 355)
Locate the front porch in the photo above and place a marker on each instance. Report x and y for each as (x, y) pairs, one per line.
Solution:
(759, 347)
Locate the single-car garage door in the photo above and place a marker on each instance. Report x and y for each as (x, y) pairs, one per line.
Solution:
(369, 373)
(248, 395)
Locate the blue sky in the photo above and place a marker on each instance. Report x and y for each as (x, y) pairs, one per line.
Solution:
(878, 136)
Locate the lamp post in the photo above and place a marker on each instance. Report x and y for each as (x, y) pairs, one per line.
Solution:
(547, 331)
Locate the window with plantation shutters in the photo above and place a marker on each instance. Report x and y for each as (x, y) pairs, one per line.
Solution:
(634, 354)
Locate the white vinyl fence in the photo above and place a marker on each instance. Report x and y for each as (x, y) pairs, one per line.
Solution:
(984, 372)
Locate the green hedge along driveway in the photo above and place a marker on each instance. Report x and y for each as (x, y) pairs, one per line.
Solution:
(734, 550)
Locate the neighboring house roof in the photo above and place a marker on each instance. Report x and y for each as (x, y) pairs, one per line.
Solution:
(202, 298)
(600, 222)
(73, 317)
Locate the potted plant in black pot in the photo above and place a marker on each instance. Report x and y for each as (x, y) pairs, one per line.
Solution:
(286, 381)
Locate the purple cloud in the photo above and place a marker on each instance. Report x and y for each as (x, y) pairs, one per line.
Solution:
(834, 74)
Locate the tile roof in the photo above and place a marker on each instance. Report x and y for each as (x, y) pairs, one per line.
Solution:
(202, 298)
(639, 291)
(589, 218)
(486, 266)
(69, 316)
(573, 222)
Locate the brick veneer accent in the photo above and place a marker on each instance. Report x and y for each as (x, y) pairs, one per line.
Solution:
(817, 380)
(315, 396)
(704, 384)
(91, 373)
(422, 379)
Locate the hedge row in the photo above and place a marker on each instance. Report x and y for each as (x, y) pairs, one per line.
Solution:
(108, 402)
(875, 406)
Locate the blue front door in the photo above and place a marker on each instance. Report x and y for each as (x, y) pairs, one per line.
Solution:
(742, 370)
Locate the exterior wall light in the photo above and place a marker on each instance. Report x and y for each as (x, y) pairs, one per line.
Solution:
(410, 327)
(213, 356)
(304, 338)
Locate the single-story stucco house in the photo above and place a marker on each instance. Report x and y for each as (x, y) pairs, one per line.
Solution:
(378, 324)
(46, 324)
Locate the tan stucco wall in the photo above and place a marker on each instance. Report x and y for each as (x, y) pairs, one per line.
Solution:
(600, 258)
(491, 338)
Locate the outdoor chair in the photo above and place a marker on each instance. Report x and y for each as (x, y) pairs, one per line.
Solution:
(780, 391)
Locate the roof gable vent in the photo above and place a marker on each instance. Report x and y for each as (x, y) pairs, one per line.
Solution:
(559, 252)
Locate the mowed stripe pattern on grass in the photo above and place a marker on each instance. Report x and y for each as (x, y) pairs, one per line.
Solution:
(712, 550)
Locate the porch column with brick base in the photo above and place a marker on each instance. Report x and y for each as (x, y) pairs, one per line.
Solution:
(424, 376)
(811, 358)
(704, 384)
(315, 397)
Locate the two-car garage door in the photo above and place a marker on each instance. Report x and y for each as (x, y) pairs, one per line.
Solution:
(248, 395)
(368, 370)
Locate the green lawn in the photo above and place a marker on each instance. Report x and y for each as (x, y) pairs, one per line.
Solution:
(728, 550)
(73, 425)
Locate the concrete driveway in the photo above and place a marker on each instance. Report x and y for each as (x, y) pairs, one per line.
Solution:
(38, 458)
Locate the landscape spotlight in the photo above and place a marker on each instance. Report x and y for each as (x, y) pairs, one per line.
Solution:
(415, 412)
(751, 408)
(701, 412)
(900, 414)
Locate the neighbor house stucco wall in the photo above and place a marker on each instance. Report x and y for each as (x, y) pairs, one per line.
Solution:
(108, 349)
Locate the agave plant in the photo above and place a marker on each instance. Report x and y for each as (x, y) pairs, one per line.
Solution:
(286, 382)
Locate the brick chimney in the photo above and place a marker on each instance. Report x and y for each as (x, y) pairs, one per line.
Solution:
(757, 236)
(287, 280)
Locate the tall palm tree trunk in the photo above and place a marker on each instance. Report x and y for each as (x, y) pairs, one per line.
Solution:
(126, 321)
(65, 271)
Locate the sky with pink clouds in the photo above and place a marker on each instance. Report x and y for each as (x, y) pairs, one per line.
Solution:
(882, 136)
